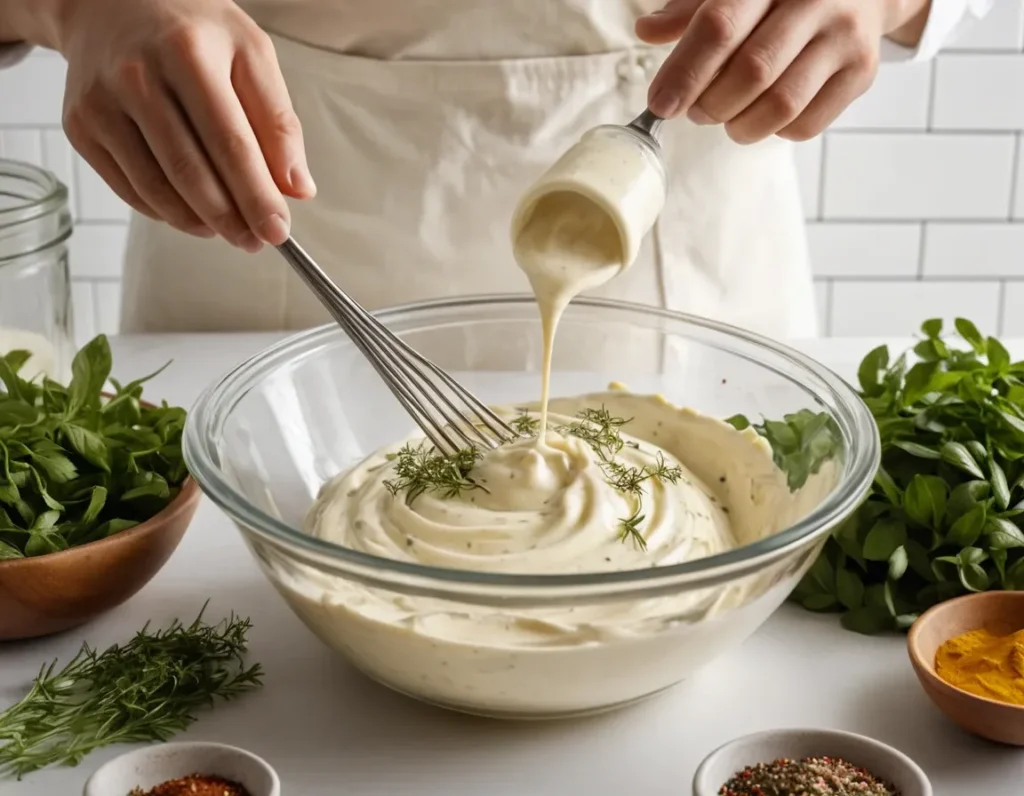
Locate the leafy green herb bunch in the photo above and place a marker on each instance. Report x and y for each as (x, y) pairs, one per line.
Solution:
(944, 515)
(77, 465)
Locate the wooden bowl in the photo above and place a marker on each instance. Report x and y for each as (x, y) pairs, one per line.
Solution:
(47, 594)
(1001, 612)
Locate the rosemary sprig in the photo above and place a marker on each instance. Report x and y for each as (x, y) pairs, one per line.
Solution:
(146, 690)
(423, 468)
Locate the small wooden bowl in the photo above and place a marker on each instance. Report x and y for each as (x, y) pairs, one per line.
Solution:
(47, 594)
(1001, 612)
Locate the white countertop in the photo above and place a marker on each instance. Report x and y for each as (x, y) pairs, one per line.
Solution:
(330, 732)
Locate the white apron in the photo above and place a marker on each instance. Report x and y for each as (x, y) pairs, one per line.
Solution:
(424, 120)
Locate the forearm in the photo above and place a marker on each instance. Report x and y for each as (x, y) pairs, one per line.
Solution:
(31, 21)
(908, 21)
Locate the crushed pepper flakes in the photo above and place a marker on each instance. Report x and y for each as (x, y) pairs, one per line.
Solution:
(195, 785)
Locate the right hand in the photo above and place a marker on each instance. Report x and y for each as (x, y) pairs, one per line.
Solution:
(181, 108)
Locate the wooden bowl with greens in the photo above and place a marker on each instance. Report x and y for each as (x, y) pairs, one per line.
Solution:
(94, 494)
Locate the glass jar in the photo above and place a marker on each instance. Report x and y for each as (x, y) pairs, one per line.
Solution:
(619, 170)
(35, 283)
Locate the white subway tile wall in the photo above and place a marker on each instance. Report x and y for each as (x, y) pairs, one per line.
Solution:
(914, 198)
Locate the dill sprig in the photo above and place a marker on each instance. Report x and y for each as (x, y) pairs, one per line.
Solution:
(602, 431)
(146, 690)
(525, 425)
(423, 468)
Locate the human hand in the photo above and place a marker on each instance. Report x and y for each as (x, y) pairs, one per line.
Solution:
(764, 67)
(181, 108)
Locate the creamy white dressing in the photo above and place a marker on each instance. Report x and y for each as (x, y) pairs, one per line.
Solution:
(545, 505)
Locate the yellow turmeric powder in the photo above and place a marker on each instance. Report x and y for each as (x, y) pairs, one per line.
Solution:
(984, 664)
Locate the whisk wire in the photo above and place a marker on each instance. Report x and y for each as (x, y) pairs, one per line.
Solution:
(416, 382)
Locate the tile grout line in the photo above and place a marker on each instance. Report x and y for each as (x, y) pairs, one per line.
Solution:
(1001, 309)
(933, 80)
(830, 302)
(1014, 178)
(921, 250)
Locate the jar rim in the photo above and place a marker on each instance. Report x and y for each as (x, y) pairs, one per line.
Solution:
(54, 193)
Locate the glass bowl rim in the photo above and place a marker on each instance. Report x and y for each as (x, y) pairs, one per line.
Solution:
(863, 455)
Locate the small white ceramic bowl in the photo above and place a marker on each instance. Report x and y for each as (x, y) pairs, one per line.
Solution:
(881, 760)
(148, 767)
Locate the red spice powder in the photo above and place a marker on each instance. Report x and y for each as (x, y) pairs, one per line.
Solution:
(195, 785)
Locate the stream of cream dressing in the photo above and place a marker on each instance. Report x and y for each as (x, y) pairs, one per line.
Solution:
(543, 506)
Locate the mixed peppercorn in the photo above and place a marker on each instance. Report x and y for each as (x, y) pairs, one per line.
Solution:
(811, 776)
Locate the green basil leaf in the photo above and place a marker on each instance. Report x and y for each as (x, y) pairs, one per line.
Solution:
(10, 380)
(925, 500)
(1000, 489)
(956, 454)
(849, 588)
(974, 578)
(998, 356)
(892, 492)
(112, 527)
(871, 368)
(818, 602)
(97, 500)
(90, 370)
(917, 558)
(738, 422)
(88, 444)
(932, 327)
(918, 450)
(977, 450)
(890, 603)
(971, 555)
(1003, 534)
(966, 530)
(999, 558)
(883, 538)
(898, 562)
(905, 621)
(918, 381)
(41, 544)
(17, 413)
(969, 332)
(965, 497)
(1015, 575)
(822, 574)
(868, 621)
(9, 552)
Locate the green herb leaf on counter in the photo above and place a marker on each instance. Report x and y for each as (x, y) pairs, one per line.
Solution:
(944, 516)
(75, 465)
(146, 690)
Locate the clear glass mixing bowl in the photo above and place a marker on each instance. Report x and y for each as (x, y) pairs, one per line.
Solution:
(263, 440)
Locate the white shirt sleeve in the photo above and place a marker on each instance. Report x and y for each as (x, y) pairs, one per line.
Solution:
(947, 20)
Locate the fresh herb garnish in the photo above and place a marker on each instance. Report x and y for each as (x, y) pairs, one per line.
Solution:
(944, 515)
(525, 424)
(801, 442)
(423, 468)
(601, 430)
(76, 466)
(146, 690)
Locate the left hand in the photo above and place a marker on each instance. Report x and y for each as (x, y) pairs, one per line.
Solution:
(765, 67)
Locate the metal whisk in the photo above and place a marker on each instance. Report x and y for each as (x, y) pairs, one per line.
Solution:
(450, 416)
